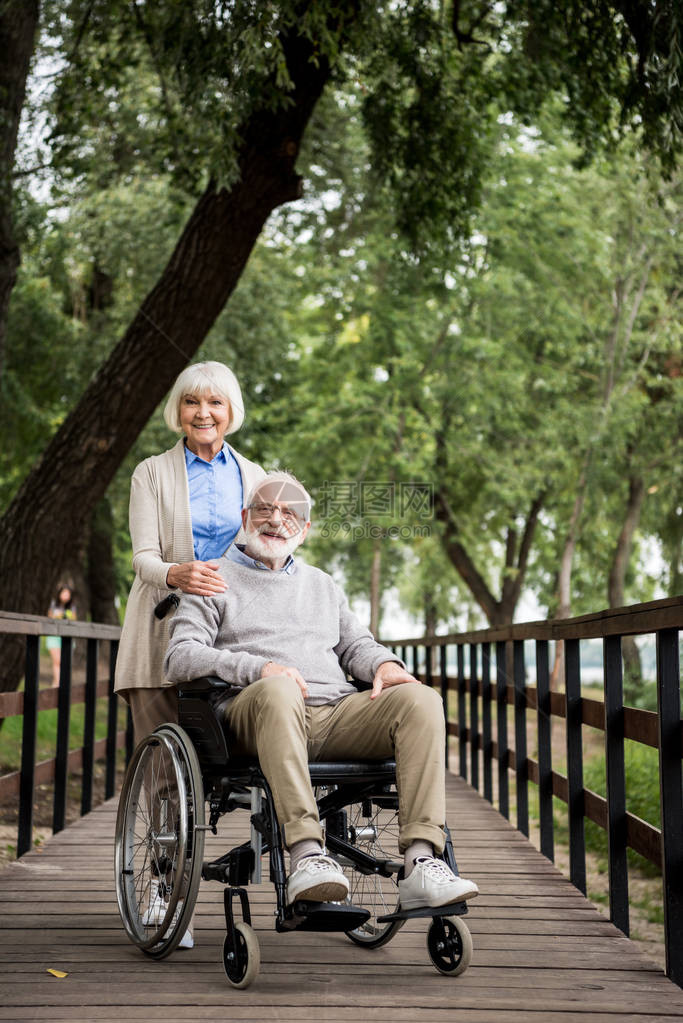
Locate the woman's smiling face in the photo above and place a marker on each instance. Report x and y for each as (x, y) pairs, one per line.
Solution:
(204, 419)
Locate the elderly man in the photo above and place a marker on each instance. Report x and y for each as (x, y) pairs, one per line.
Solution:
(283, 635)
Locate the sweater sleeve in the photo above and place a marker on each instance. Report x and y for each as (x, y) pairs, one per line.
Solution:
(359, 654)
(191, 652)
(144, 511)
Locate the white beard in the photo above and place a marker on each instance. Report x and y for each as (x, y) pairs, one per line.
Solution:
(266, 548)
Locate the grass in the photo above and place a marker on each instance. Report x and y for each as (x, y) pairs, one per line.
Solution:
(46, 733)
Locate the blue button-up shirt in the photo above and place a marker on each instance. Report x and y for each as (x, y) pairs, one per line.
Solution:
(216, 499)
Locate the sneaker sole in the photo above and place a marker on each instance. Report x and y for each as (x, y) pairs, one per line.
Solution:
(421, 904)
(326, 891)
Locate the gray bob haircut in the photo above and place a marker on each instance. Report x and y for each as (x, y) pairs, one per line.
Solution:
(203, 378)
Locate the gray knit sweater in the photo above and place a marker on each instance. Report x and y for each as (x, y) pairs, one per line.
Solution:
(299, 619)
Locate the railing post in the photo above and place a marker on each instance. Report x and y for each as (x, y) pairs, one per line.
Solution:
(502, 723)
(112, 725)
(486, 719)
(462, 713)
(443, 664)
(577, 843)
(416, 661)
(474, 718)
(62, 751)
(89, 725)
(28, 745)
(671, 795)
(545, 773)
(616, 783)
(521, 770)
(429, 675)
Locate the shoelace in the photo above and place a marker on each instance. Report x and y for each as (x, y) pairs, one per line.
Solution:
(315, 864)
(436, 870)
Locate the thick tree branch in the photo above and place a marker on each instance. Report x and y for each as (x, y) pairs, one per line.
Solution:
(461, 560)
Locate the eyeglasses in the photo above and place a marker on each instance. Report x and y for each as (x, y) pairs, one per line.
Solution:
(266, 511)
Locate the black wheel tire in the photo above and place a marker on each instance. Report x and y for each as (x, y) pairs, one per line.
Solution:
(449, 943)
(161, 808)
(242, 964)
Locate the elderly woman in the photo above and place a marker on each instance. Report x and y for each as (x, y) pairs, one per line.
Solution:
(185, 511)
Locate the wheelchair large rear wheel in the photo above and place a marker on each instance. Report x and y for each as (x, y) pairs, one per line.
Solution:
(372, 826)
(160, 841)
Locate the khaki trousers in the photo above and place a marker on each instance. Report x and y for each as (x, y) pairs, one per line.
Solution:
(151, 708)
(270, 719)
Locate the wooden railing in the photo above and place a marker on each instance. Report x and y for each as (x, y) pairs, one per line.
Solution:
(496, 680)
(22, 783)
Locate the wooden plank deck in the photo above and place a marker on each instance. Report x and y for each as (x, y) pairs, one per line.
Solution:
(541, 951)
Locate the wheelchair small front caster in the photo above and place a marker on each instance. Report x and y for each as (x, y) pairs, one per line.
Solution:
(241, 963)
(449, 943)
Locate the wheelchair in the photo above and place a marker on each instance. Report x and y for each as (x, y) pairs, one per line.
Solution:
(180, 771)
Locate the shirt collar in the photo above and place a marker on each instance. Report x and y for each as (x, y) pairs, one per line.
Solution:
(237, 554)
(220, 456)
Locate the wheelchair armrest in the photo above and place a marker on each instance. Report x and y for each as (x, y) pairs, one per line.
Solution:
(203, 687)
(197, 716)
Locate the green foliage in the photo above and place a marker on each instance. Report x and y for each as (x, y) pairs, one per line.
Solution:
(439, 308)
(206, 67)
(642, 795)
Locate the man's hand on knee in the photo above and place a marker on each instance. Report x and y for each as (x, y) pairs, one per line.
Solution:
(389, 674)
(271, 668)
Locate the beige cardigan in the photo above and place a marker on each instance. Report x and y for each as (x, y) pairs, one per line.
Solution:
(161, 534)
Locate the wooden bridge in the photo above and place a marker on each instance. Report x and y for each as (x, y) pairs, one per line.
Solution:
(541, 950)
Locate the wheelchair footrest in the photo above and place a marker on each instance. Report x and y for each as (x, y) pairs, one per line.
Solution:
(454, 909)
(322, 916)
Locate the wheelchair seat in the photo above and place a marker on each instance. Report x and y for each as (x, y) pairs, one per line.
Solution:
(211, 738)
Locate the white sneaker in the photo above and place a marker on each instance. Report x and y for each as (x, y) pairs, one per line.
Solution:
(187, 940)
(156, 910)
(318, 879)
(432, 883)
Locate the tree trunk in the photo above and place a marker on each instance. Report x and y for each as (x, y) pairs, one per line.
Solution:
(101, 573)
(42, 526)
(564, 579)
(376, 587)
(18, 23)
(431, 622)
(498, 611)
(633, 672)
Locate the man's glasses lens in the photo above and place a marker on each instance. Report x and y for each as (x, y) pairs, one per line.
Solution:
(264, 511)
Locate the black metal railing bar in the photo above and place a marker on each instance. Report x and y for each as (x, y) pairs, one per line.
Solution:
(662, 730)
(27, 704)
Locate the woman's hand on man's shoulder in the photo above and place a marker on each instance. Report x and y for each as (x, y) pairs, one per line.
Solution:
(199, 577)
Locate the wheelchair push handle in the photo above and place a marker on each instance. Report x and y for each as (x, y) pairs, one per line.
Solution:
(165, 605)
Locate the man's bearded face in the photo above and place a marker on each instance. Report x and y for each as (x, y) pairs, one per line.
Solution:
(271, 540)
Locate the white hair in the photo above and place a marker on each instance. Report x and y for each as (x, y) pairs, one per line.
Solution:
(201, 378)
(283, 477)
